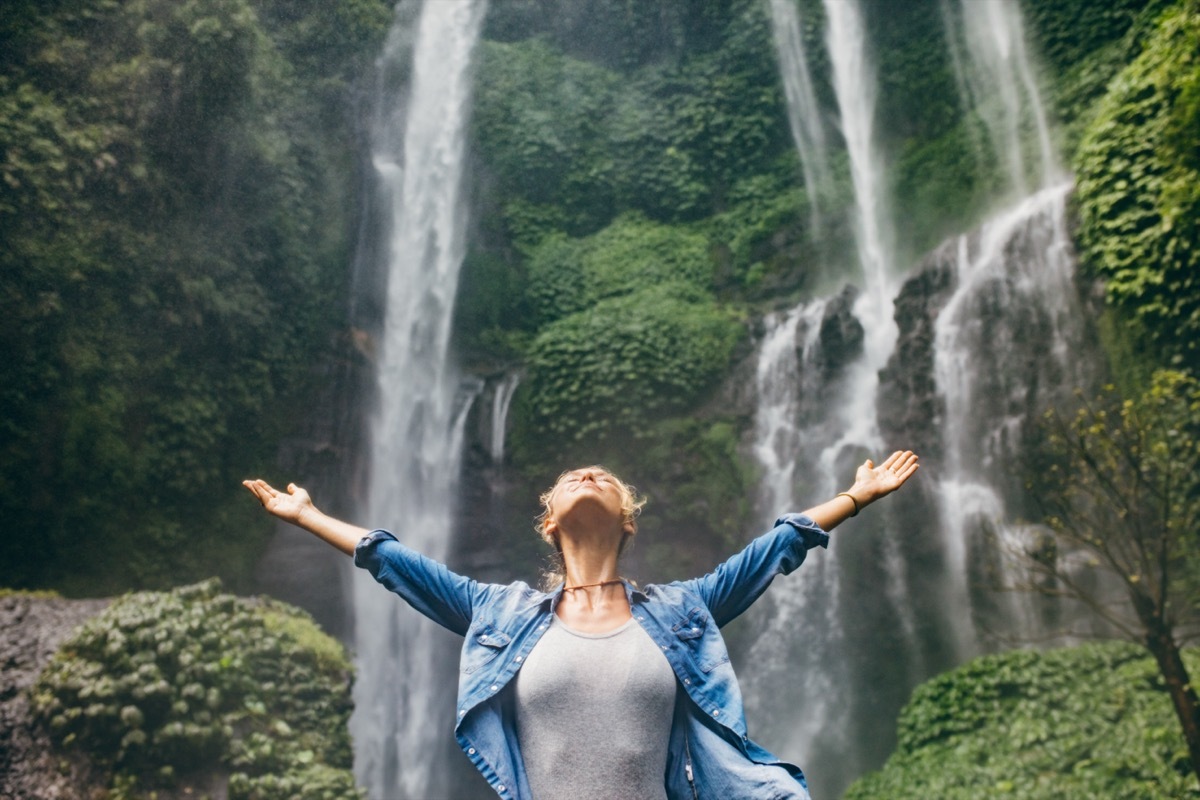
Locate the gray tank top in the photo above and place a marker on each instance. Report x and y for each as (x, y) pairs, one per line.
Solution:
(594, 714)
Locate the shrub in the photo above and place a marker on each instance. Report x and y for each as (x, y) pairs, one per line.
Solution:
(1074, 723)
(567, 276)
(627, 360)
(1139, 190)
(162, 685)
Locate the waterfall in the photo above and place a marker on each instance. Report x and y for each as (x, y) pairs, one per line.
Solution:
(854, 81)
(501, 400)
(1017, 269)
(804, 116)
(402, 698)
(819, 401)
(835, 650)
(996, 80)
(787, 381)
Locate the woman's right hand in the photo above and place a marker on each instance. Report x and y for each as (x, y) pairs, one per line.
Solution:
(297, 508)
(287, 507)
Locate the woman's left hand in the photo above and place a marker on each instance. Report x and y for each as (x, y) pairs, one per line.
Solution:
(873, 482)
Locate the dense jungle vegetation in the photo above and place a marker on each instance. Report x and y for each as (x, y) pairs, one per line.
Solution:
(176, 209)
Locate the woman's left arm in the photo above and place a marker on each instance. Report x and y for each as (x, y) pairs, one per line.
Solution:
(870, 483)
(730, 588)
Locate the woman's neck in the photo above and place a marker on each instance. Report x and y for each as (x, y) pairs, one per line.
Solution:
(588, 562)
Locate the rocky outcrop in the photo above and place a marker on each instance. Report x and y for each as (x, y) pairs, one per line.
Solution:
(909, 410)
(30, 768)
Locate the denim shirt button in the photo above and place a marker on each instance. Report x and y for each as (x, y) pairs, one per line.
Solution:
(687, 681)
(641, 619)
(500, 788)
(520, 659)
(495, 687)
(470, 751)
(462, 713)
(716, 712)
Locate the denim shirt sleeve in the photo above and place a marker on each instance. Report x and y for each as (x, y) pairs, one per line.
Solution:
(427, 585)
(734, 585)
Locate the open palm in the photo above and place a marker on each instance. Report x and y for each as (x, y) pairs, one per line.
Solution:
(873, 482)
(287, 506)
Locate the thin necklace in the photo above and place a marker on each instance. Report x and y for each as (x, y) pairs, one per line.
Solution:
(591, 585)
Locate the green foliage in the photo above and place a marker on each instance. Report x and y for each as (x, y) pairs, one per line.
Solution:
(627, 360)
(917, 97)
(174, 208)
(706, 488)
(569, 144)
(1071, 724)
(1125, 491)
(1068, 32)
(567, 276)
(539, 118)
(946, 183)
(161, 686)
(764, 233)
(1139, 191)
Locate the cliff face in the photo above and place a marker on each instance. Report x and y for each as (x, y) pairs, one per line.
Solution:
(33, 628)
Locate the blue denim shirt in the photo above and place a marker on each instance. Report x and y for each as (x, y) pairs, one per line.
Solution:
(709, 753)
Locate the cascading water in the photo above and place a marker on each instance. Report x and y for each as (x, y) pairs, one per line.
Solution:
(817, 411)
(501, 400)
(1014, 288)
(804, 116)
(402, 702)
(837, 648)
(853, 82)
(996, 80)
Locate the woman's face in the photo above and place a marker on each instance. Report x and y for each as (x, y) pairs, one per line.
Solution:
(590, 495)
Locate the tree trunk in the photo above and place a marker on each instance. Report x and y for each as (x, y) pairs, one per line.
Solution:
(1170, 665)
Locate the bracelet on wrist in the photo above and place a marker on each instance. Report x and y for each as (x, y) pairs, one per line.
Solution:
(853, 500)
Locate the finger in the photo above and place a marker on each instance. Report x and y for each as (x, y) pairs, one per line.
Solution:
(910, 467)
(262, 490)
(895, 457)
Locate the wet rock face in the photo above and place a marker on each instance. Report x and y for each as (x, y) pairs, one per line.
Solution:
(841, 334)
(909, 409)
(33, 628)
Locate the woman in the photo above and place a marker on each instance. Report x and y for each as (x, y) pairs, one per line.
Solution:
(600, 689)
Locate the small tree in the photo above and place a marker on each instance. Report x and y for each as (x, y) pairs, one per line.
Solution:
(1122, 502)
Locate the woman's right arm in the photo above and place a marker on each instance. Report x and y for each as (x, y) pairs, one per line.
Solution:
(297, 508)
(427, 585)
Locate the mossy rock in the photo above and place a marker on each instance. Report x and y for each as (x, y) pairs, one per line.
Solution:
(167, 687)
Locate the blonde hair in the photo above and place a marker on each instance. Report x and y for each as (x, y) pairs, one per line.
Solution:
(631, 508)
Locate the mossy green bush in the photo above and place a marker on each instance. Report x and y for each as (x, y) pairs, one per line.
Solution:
(1071, 724)
(627, 360)
(165, 685)
(567, 276)
(1138, 177)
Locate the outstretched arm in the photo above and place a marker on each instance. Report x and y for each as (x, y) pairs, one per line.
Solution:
(870, 484)
(297, 508)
